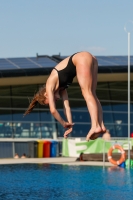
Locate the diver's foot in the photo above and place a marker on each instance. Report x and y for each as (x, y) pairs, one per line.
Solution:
(94, 133)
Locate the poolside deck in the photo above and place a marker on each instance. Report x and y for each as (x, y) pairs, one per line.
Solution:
(56, 160)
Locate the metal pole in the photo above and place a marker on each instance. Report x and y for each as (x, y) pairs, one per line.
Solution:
(129, 98)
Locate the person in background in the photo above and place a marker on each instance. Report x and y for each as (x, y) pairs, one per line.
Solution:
(16, 155)
(106, 135)
(23, 156)
(84, 66)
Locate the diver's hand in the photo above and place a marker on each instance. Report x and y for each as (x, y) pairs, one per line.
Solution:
(67, 124)
(67, 132)
(69, 127)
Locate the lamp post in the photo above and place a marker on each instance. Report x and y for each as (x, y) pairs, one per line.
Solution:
(128, 28)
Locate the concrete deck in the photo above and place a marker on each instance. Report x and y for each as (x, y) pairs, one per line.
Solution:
(57, 160)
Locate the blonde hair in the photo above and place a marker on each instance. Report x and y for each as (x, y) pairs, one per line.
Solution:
(38, 98)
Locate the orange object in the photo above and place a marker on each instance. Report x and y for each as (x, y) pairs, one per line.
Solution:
(122, 158)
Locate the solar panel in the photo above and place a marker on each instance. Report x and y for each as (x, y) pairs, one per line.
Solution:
(26, 63)
(43, 61)
(4, 64)
(112, 60)
(105, 61)
(131, 60)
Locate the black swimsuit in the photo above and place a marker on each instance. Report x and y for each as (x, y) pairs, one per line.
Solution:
(67, 74)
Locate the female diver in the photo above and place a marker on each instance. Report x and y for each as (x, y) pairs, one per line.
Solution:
(85, 67)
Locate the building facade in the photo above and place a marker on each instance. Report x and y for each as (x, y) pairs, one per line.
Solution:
(22, 77)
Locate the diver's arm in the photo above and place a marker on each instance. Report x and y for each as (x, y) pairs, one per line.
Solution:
(53, 109)
(67, 112)
(67, 109)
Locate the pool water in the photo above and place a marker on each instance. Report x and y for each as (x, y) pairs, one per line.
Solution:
(59, 182)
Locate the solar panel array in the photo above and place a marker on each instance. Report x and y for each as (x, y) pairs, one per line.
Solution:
(114, 60)
(50, 62)
(111, 60)
(26, 63)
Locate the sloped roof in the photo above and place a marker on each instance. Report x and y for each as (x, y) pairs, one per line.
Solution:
(42, 65)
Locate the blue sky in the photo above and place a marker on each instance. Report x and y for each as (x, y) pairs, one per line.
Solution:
(51, 27)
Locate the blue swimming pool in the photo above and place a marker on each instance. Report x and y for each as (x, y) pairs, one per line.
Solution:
(59, 182)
